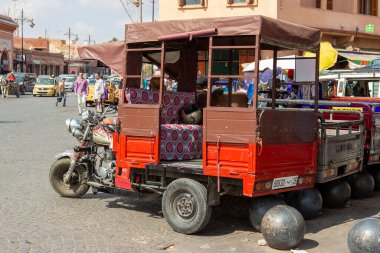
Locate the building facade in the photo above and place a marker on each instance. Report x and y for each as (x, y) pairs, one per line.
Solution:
(69, 50)
(344, 23)
(39, 62)
(37, 57)
(7, 27)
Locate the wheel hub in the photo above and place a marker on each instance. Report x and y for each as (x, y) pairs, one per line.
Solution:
(73, 179)
(185, 205)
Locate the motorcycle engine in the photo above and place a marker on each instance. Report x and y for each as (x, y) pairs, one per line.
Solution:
(106, 170)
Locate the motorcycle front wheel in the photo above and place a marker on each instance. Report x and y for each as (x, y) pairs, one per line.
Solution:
(75, 188)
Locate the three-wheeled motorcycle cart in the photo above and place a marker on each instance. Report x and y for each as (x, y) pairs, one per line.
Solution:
(236, 148)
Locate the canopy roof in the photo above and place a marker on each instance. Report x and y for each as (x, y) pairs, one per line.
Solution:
(375, 65)
(111, 54)
(359, 56)
(273, 32)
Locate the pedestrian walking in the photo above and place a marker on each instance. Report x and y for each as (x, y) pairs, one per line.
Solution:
(61, 93)
(99, 93)
(81, 90)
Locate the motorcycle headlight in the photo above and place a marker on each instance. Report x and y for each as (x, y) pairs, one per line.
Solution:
(73, 124)
(78, 133)
(86, 115)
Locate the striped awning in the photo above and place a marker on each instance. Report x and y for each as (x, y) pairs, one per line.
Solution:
(358, 59)
(358, 56)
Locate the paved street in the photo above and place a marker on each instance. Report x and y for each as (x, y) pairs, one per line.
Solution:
(33, 218)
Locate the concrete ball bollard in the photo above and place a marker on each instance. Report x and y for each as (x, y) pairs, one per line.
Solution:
(260, 206)
(283, 227)
(364, 236)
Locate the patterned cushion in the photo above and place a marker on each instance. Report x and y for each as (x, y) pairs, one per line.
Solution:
(139, 96)
(181, 142)
(172, 102)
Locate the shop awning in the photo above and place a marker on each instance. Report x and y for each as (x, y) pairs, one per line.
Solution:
(358, 59)
(38, 60)
(358, 56)
(111, 54)
(58, 62)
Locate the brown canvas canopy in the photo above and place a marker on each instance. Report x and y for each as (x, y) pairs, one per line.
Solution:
(273, 32)
(111, 54)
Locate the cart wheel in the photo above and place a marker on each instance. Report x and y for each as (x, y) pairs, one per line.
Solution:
(73, 189)
(185, 207)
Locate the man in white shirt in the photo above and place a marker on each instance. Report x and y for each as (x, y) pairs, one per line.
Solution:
(99, 93)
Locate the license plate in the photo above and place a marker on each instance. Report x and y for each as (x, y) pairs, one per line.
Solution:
(284, 182)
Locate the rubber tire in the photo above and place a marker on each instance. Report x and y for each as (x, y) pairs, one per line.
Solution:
(237, 207)
(34, 95)
(202, 213)
(18, 93)
(57, 170)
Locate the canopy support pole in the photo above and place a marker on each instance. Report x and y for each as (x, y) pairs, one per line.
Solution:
(256, 73)
(162, 78)
(209, 86)
(316, 82)
(274, 76)
(230, 79)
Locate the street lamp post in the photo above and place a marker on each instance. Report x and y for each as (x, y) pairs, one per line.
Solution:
(89, 40)
(76, 38)
(31, 24)
(22, 40)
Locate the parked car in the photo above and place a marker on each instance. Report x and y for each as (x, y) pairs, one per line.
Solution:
(70, 80)
(45, 86)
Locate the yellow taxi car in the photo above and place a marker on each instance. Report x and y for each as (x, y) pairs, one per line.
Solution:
(111, 86)
(45, 87)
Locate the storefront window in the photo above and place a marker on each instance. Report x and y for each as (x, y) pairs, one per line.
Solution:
(311, 3)
(239, 1)
(182, 3)
(368, 7)
(318, 4)
(329, 4)
(188, 2)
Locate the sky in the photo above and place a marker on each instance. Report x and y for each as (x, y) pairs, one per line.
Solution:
(102, 19)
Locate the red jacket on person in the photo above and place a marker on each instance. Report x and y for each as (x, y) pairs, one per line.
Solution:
(11, 77)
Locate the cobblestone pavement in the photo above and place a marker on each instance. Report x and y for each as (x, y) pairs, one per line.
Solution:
(33, 218)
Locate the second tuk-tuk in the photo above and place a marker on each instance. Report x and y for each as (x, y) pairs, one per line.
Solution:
(359, 90)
